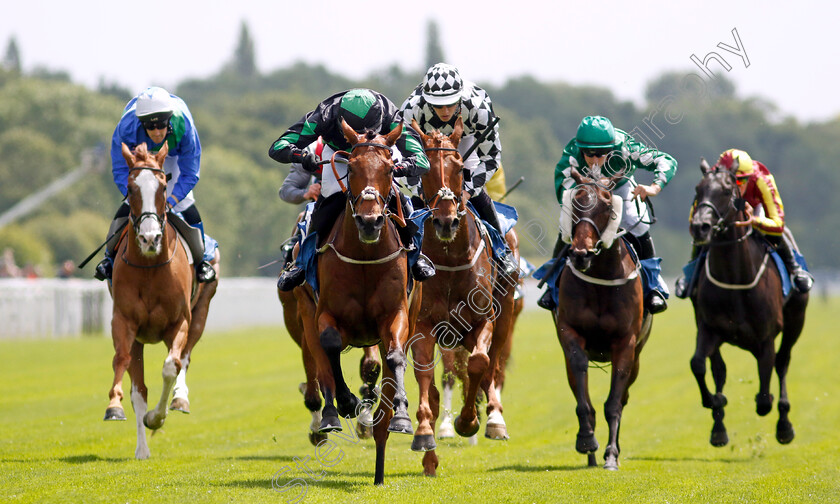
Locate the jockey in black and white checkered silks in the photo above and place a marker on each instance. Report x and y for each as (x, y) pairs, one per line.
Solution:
(436, 104)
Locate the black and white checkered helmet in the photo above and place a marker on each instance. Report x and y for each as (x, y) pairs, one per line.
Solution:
(442, 85)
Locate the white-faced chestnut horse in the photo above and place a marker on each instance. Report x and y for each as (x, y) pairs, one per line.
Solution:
(466, 304)
(363, 299)
(738, 300)
(156, 297)
(600, 315)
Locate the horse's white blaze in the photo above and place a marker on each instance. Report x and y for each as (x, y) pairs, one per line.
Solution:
(181, 390)
(139, 405)
(148, 229)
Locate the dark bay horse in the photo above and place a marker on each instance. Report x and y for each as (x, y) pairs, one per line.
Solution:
(156, 297)
(466, 304)
(739, 300)
(363, 275)
(600, 315)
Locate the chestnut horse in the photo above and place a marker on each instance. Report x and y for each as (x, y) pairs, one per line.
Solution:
(467, 303)
(600, 314)
(363, 275)
(739, 300)
(369, 366)
(156, 297)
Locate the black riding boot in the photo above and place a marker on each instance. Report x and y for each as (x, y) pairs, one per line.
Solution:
(681, 285)
(802, 280)
(204, 271)
(655, 301)
(487, 211)
(424, 268)
(323, 216)
(105, 268)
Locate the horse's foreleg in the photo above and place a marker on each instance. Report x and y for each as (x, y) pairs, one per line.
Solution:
(624, 367)
(123, 337)
(446, 430)
(706, 348)
(577, 372)
(467, 423)
(423, 352)
(792, 329)
(493, 380)
(766, 357)
(382, 419)
(171, 367)
(370, 367)
(394, 336)
(139, 397)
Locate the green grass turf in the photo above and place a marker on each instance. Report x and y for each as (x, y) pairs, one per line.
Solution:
(248, 424)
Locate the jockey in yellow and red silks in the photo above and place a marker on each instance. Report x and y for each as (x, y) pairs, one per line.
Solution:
(758, 188)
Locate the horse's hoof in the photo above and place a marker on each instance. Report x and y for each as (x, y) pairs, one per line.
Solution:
(330, 424)
(468, 430)
(611, 464)
(364, 431)
(317, 438)
(142, 453)
(719, 438)
(151, 422)
(180, 404)
(591, 460)
(763, 403)
(114, 414)
(586, 443)
(400, 425)
(784, 432)
(347, 405)
(496, 431)
(423, 443)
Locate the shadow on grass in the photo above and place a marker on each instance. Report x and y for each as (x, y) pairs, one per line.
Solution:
(269, 484)
(270, 458)
(725, 460)
(541, 468)
(85, 459)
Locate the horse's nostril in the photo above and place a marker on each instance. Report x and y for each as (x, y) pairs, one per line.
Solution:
(379, 221)
(455, 222)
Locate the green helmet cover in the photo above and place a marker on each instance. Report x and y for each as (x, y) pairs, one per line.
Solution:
(595, 132)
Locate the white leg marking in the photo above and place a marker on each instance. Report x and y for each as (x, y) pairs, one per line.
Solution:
(139, 405)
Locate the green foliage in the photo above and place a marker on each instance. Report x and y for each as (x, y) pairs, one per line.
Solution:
(28, 247)
(46, 122)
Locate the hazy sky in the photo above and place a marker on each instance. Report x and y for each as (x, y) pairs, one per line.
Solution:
(791, 47)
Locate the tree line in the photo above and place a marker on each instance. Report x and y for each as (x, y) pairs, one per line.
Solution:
(47, 122)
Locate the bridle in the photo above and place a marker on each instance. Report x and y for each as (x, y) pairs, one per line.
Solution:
(599, 246)
(723, 222)
(369, 192)
(136, 220)
(445, 193)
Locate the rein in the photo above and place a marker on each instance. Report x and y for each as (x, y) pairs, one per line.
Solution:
(368, 193)
(444, 193)
(137, 220)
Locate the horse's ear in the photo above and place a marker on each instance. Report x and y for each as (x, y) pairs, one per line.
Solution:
(455, 137)
(392, 137)
(416, 127)
(160, 157)
(704, 166)
(349, 133)
(576, 176)
(129, 157)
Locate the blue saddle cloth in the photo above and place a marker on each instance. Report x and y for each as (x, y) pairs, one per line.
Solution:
(507, 219)
(308, 253)
(691, 271)
(650, 270)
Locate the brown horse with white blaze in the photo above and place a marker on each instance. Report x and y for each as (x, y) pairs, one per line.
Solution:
(153, 288)
(466, 304)
(600, 315)
(363, 301)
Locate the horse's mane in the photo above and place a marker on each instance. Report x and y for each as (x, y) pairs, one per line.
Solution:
(438, 136)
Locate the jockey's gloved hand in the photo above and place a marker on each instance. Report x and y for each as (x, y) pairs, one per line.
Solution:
(306, 159)
(400, 171)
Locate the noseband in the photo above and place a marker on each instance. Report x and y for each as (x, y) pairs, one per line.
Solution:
(600, 246)
(368, 193)
(445, 193)
(138, 219)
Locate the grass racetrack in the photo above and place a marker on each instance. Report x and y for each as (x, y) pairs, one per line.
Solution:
(248, 426)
